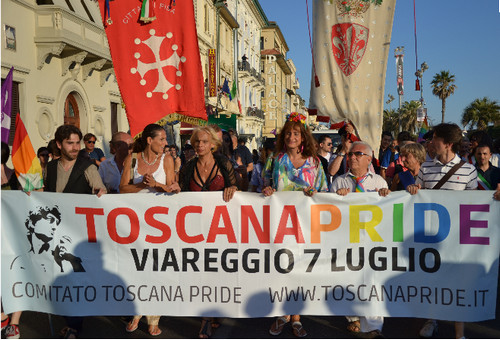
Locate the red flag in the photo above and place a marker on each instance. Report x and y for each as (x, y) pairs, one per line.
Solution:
(157, 65)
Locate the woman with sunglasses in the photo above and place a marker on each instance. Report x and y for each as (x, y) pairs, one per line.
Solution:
(295, 167)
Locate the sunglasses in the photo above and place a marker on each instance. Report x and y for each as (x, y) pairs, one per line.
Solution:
(329, 144)
(91, 141)
(357, 154)
(44, 154)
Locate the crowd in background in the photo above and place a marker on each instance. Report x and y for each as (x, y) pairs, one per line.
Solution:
(217, 160)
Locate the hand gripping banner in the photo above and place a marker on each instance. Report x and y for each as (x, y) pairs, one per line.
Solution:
(432, 255)
(351, 44)
(157, 64)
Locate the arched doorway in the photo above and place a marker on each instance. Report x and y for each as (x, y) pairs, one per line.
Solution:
(71, 112)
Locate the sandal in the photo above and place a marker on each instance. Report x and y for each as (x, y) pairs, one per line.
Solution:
(279, 324)
(154, 330)
(132, 325)
(5, 322)
(354, 326)
(298, 330)
(206, 329)
(215, 323)
(69, 333)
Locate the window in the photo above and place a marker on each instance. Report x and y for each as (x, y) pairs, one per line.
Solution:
(114, 118)
(70, 6)
(207, 18)
(87, 10)
(71, 112)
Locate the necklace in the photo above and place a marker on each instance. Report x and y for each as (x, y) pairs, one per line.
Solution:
(206, 165)
(145, 161)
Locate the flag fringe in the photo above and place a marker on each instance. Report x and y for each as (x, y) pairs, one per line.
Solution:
(177, 117)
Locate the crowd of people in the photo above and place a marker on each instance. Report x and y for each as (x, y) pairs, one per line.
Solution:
(217, 160)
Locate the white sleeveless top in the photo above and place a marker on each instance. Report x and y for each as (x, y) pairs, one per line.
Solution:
(159, 175)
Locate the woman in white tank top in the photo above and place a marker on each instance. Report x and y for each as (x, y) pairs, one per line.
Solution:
(149, 170)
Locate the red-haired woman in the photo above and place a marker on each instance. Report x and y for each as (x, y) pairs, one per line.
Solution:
(294, 167)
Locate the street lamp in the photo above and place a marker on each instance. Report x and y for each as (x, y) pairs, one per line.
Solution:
(419, 85)
(390, 100)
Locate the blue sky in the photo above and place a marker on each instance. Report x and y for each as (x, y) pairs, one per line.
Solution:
(461, 36)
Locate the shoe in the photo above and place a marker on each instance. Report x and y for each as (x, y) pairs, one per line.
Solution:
(278, 324)
(12, 332)
(298, 330)
(429, 329)
(5, 322)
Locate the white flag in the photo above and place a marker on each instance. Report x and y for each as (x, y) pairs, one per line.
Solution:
(351, 44)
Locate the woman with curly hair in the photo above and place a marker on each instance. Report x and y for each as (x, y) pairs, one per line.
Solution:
(294, 167)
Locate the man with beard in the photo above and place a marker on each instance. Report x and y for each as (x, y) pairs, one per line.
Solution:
(71, 174)
(76, 175)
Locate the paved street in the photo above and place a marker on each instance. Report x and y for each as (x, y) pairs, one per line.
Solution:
(36, 325)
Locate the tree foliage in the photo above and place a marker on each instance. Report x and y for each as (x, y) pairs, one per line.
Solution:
(480, 113)
(408, 118)
(443, 86)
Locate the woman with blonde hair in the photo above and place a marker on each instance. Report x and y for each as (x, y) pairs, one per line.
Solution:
(294, 167)
(412, 155)
(208, 171)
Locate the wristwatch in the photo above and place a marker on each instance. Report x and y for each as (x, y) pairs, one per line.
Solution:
(340, 154)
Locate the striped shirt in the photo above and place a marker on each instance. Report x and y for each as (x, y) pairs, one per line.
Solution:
(465, 178)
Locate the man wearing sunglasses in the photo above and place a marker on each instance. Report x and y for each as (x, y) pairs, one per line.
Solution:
(95, 154)
(324, 153)
(111, 169)
(359, 178)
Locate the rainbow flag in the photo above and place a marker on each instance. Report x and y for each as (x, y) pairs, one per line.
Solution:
(26, 164)
(423, 130)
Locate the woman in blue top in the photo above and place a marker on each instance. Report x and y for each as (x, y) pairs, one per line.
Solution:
(294, 167)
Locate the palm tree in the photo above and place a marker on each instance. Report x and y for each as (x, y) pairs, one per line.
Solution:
(443, 87)
(409, 115)
(391, 121)
(480, 113)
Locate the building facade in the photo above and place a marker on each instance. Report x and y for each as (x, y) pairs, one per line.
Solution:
(63, 72)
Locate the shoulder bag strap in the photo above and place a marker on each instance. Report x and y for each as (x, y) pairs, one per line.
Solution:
(132, 166)
(448, 175)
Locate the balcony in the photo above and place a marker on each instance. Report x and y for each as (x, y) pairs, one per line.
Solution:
(255, 112)
(246, 71)
(80, 43)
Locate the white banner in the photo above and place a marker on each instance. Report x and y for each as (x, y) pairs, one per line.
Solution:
(432, 255)
(351, 42)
